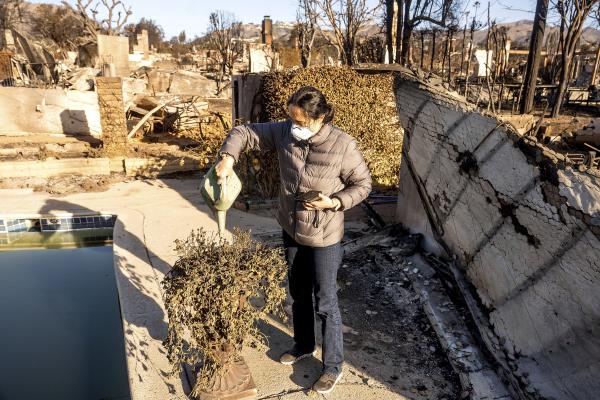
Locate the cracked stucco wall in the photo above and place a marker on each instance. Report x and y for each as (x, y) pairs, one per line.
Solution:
(526, 233)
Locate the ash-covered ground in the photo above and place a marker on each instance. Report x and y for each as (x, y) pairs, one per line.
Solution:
(387, 333)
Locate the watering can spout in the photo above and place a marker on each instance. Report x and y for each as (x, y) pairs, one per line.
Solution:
(221, 216)
(219, 196)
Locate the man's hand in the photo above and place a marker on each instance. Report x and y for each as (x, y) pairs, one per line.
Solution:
(224, 168)
(323, 203)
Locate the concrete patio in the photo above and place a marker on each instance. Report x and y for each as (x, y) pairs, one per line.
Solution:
(151, 216)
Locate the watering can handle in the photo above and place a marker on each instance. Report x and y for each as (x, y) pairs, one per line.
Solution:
(223, 193)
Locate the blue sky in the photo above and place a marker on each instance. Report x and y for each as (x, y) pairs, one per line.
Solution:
(192, 15)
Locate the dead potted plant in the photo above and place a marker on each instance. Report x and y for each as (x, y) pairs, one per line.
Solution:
(214, 294)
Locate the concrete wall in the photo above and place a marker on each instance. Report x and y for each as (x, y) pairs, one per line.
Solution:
(526, 233)
(114, 50)
(192, 84)
(29, 110)
(143, 45)
(262, 58)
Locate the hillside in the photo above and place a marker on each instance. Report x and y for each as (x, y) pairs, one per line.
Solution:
(520, 31)
(283, 30)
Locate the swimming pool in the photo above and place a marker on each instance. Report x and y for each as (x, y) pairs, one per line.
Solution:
(61, 334)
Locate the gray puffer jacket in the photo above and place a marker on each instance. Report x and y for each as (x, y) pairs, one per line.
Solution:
(329, 162)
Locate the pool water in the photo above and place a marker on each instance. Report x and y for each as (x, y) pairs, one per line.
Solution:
(60, 326)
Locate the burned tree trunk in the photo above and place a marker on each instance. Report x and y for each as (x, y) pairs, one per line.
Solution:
(573, 15)
(534, 57)
(307, 29)
(406, 54)
(445, 53)
(407, 30)
(422, 48)
(432, 50)
(470, 54)
(390, 24)
(348, 53)
(563, 84)
(400, 23)
(488, 70)
(462, 51)
(450, 50)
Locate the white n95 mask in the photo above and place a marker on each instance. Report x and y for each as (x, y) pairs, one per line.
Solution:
(301, 133)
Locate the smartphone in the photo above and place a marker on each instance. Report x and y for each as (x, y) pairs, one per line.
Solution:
(309, 196)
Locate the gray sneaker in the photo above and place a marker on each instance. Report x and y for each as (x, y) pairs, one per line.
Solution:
(326, 382)
(294, 355)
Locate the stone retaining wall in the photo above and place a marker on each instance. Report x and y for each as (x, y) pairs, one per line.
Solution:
(112, 111)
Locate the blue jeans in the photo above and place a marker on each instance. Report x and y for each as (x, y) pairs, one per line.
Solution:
(313, 270)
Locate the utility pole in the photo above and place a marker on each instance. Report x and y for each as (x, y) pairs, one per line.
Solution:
(534, 56)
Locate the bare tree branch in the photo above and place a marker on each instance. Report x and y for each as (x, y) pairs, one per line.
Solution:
(81, 11)
(116, 17)
(224, 35)
(404, 16)
(346, 18)
(573, 15)
(306, 19)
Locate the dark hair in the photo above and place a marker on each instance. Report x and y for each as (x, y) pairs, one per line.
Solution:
(313, 102)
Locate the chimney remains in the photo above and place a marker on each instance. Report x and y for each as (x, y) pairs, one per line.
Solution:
(267, 31)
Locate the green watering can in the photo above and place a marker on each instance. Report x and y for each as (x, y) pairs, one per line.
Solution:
(220, 197)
